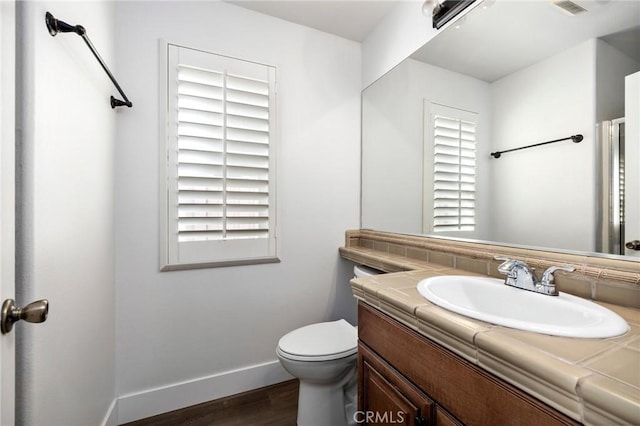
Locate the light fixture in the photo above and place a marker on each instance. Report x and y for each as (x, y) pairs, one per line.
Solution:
(443, 11)
(429, 7)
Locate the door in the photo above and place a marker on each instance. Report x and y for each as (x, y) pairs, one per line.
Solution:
(632, 165)
(7, 203)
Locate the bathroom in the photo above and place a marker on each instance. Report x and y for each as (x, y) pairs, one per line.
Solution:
(125, 340)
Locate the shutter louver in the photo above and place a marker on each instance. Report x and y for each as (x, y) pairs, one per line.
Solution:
(219, 188)
(223, 156)
(454, 174)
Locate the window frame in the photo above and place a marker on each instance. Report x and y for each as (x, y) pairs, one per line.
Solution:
(177, 255)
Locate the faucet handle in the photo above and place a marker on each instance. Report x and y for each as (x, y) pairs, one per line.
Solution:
(506, 266)
(547, 276)
(509, 264)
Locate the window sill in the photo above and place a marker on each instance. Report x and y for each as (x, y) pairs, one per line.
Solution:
(222, 264)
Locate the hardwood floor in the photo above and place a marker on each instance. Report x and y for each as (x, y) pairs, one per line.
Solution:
(272, 405)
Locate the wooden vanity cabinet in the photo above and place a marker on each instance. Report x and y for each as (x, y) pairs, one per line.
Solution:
(417, 382)
(385, 397)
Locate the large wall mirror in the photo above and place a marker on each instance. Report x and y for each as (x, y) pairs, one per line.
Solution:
(509, 74)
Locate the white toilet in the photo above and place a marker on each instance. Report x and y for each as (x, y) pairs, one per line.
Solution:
(323, 357)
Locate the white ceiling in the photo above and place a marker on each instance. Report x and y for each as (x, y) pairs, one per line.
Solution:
(351, 19)
(495, 39)
(510, 35)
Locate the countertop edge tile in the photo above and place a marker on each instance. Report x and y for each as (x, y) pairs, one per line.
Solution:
(399, 302)
(544, 376)
(565, 401)
(401, 315)
(599, 405)
(464, 329)
(449, 341)
(524, 357)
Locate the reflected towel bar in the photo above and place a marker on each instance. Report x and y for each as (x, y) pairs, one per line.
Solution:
(56, 26)
(574, 138)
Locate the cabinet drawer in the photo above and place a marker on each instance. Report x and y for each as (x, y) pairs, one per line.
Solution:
(385, 397)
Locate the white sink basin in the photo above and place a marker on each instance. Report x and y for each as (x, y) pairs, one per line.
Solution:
(490, 300)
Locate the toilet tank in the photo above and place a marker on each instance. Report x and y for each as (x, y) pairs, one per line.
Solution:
(361, 271)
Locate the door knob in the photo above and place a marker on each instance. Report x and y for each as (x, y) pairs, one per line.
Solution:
(33, 312)
(633, 245)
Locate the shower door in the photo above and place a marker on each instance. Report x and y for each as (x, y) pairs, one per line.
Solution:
(619, 178)
(611, 186)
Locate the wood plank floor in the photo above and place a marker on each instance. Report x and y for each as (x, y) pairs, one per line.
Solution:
(272, 405)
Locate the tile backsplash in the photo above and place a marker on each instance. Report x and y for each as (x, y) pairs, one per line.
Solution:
(600, 278)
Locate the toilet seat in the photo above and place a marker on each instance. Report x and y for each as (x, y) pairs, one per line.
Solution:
(323, 341)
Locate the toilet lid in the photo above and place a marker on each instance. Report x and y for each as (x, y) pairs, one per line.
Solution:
(322, 341)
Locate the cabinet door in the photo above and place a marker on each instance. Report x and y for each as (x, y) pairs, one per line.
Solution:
(443, 418)
(386, 398)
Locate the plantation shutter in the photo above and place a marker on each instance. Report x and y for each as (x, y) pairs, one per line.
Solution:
(221, 198)
(454, 169)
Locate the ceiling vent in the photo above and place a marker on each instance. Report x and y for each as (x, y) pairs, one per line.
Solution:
(569, 7)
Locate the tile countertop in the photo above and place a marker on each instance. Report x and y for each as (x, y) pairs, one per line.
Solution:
(594, 381)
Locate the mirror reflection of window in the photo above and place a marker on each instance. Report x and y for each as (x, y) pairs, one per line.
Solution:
(450, 144)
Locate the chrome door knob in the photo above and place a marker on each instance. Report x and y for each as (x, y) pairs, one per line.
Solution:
(33, 312)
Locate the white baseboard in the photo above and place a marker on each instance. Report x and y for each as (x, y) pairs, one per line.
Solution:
(160, 400)
(111, 418)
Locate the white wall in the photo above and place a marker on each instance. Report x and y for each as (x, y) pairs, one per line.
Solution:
(191, 336)
(555, 180)
(397, 36)
(400, 33)
(393, 144)
(612, 66)
(66, 366)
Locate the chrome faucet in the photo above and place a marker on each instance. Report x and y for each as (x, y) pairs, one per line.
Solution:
(519, 275)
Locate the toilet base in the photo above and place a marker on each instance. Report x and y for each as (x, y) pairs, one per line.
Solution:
(322, 405)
